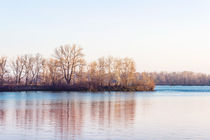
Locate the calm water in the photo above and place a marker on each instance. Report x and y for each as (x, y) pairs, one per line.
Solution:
(168, 113)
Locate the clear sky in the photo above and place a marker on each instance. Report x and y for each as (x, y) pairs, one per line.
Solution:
(160, 35)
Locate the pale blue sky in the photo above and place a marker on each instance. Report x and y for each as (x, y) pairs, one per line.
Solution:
(160, 35)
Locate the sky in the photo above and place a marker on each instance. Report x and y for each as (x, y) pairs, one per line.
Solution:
(160, 35)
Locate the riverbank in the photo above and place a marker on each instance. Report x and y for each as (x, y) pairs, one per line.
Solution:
(18, 88)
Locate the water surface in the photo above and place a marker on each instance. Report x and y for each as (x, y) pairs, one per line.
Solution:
(171, 112)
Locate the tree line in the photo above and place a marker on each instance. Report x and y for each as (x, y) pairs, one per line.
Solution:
(68, 70)
(180, 78)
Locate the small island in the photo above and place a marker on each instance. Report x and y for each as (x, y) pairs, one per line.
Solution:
(67, 70)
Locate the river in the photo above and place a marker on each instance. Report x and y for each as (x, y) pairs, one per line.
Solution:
(170, 112)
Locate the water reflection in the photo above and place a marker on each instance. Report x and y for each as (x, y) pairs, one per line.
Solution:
(64, 116)
(115, 116)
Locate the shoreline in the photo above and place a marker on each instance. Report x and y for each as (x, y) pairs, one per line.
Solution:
(22, 88)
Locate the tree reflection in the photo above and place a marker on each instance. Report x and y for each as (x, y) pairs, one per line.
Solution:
(2, 114)
(67, 118)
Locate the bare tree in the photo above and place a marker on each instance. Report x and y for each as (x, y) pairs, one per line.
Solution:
(3, 71)
(92, 75)
(17, 67)
(69, 59)
(128, 71)
(36, 68)
(101, 64)
(53, 73)
(28, 67)
(81, 75)
(110, 70)
(118, 66)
